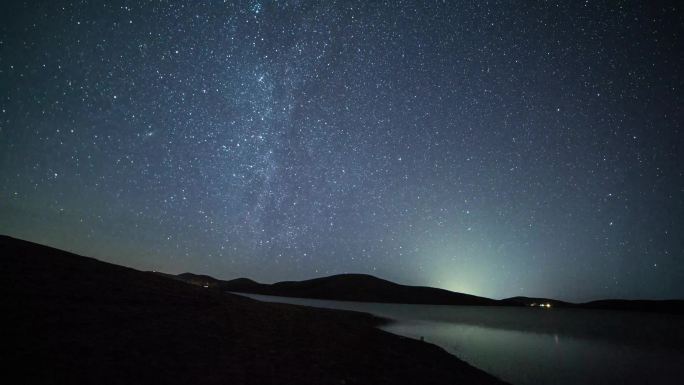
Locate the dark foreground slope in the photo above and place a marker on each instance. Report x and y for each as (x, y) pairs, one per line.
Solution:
(350, 287)
(71, 319)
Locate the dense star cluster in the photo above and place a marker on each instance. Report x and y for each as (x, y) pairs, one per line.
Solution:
(484, 147)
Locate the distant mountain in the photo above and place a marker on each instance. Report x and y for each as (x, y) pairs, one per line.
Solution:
(353, 287)
(533, 301)
(673, 306)
(647, 306)
(367, 288)
(199, 279)
(240, 284)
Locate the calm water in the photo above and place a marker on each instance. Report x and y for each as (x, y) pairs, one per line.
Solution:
(540, 346)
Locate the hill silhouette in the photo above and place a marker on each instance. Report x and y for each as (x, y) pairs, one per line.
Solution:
(535, 301)
(673, 306)
(78, 320)
(368, 288)
(356, 287)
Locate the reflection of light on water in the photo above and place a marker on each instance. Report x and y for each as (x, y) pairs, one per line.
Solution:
(533, 358)
(523, 347)
(511, 355)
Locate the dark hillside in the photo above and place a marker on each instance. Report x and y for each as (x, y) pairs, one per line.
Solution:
(76, 320)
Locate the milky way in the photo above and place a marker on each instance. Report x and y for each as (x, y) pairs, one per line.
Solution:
(489, 148)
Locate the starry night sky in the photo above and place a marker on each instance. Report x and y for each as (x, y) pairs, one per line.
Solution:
(482, 147)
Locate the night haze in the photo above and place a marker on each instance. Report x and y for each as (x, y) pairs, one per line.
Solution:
(493, 149)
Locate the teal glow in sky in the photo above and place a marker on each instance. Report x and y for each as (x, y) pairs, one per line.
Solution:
(487, 148)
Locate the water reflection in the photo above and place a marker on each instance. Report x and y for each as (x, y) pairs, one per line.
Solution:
(533, 358)
(540, 346)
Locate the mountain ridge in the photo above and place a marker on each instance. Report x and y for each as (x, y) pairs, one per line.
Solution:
(361, 287)
(354, 287)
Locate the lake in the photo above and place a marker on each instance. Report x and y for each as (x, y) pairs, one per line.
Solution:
(524, 345)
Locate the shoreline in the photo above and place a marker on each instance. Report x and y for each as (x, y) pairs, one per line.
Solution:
(79, 320)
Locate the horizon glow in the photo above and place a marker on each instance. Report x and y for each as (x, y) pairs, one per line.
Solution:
(494, 150)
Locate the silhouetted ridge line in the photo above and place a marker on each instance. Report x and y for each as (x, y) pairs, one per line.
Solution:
(368, 288)
(77, 320)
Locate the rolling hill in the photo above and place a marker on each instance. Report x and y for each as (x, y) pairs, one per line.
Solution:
(356, 287)
(367, 288)
(77, 320)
